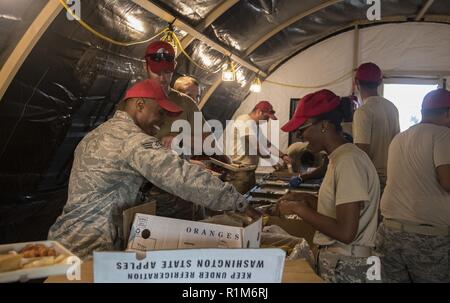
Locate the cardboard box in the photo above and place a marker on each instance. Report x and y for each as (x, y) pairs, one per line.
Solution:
(295, 271)
(299, 271)
(128, 217)
(156, 233)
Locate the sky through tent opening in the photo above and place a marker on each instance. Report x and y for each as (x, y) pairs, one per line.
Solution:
(408, 100)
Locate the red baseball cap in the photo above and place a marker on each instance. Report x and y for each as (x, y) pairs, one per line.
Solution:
(439, 98)
(266, 107)
(160, 56)
(151, 89)
(312, 105)
(369, 72)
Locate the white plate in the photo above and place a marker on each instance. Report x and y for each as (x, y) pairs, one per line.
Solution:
(26, 274)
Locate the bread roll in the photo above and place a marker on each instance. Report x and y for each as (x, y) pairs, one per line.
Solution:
(42, 261)
(10, 262)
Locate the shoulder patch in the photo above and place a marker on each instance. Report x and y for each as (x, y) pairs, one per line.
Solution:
(152, 145)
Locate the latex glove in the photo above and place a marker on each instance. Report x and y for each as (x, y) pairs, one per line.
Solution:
(295, 181)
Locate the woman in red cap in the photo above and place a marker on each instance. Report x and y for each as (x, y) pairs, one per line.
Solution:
(347, 208)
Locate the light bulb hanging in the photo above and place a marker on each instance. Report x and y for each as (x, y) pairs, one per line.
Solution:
(228, 72)
(255, 87)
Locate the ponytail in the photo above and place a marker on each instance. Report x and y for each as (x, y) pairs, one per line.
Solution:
(343, 112)
(346, 107)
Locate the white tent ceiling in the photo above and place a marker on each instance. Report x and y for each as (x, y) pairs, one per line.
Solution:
(404, 49)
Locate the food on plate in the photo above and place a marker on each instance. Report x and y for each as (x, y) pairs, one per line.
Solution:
(61, 258)
(40, 262)
(38, 250)
(31, 256)
(9, 262)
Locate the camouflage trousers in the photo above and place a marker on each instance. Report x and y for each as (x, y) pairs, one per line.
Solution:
(410, 257)
(337, 268)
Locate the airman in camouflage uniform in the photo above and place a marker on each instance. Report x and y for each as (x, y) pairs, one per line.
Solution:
(110, 165)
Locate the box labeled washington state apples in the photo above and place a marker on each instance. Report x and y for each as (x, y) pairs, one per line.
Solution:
(150, 232)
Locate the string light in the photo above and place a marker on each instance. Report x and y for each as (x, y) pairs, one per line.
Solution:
(255, 87)
(228, 72)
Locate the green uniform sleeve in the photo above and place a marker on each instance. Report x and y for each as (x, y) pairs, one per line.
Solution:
(190, 182)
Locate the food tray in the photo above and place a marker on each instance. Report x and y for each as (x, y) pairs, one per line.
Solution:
(26, 274)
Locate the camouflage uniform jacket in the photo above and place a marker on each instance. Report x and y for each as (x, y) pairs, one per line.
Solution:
(110, 164)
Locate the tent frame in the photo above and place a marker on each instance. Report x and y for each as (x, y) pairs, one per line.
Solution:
(212, 16)
(26, 43)
(168, 17)
(53, 8)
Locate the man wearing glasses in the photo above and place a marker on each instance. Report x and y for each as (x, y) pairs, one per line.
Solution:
(160, 65)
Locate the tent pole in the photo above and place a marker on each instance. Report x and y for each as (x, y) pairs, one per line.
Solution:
(424, 10)
(166, 16)
(288, 23)
(26, 44)
(210, 91)
(355, 53)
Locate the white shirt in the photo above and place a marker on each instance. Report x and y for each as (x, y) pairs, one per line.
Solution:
(413, 192)
(245, 141)
(376, 123)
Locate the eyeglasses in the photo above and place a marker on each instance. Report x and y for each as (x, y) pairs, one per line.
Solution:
(302, 129)
(158, 57)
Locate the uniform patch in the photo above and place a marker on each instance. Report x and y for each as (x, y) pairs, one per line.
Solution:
(152, 145)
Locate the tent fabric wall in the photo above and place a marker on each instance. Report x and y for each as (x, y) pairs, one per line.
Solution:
(418, 47)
